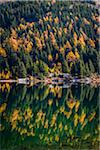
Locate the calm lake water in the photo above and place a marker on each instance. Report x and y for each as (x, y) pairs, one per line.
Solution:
(49, 117)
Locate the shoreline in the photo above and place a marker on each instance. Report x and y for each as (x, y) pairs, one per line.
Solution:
(93, 79)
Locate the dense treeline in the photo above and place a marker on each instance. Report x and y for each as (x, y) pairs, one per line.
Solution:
(43, 37)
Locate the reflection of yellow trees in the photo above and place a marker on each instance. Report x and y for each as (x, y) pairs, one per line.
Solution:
(53, 120)
(68, 114)
(5, 74)
(51, 123)
(77, 105)
(82, 117)
(24, 123)
(14, 118)
(3, 107)
(92, 115)
(50, 101)
(17, 117)
(71, 103)
(28, 114)
(76, 117)
(2, 52)
(57, 91)
(5, 87)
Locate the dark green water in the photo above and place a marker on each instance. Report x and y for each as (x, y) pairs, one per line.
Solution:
(44, 118)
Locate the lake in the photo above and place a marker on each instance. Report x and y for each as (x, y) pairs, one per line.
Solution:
(44, 117)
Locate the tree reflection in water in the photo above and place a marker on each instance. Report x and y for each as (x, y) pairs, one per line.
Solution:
(46, 115)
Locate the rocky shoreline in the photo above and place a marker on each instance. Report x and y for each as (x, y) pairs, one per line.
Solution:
(56, 80)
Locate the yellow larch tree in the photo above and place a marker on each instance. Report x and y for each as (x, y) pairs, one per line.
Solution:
(91, 43)
(2, 52)
(77, 54)
(67, 45)
(81, 41)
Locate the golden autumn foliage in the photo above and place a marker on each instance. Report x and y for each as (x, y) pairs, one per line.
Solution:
(67, 45)
(5, 74)
(76, 18)
(30, 24)
(65, 30)
(71, 103)
(55, 30)
(91, 43)
(14, 116)
(68, 114)
(56, 20)
(77, 105)
(86, 21)
(57, 138)
(28, 114)
(53, 120)
(60, 126)
(70, 26)
(61, 49)
(46, 124)
(3, 107)
(76, 118)
(22, 27)
(71, 56)
(13, 41)
(46, 34)
(77, 54)
(60, 32)
(28, 46)
(91, 117)
(84, 35)
(81, 41)
(75, 35)
(50, 57)
(75, 40)
(53, 40)
(50, 101)
(14, 44)
(2, 52)
(41, 21)
(42, 40)
(5, 87)
(49, 27)
(82, 117)
(38, 43)
(30, 32)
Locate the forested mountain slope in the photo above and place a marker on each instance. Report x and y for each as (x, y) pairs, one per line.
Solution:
(44, 37)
